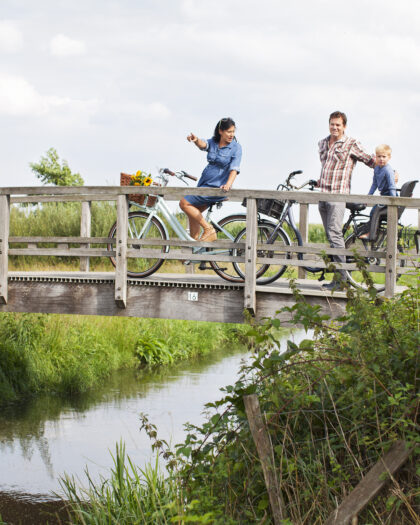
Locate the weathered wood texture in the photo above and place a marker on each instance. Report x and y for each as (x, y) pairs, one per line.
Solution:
(172, 193)
(248, 251)
(265, 454)
(391, 251)
(250, 255)
(4, 245)
(371, 484)
(160, 296)
(85, 231)
(121, 251)
(304, 230)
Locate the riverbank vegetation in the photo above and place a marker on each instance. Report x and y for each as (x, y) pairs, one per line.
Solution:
(333, 405)
(69, 354)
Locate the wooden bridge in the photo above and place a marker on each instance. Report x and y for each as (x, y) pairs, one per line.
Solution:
(173, 296)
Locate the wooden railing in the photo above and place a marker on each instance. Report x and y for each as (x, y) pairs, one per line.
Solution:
(248, 250)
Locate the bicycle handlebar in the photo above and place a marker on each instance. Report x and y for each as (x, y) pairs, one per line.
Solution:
(289, 186)
(189, 176)
(183, 173)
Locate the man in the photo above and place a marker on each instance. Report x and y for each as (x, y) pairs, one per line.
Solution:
(338, 154)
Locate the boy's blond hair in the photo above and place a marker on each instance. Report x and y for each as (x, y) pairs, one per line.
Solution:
(383, 148)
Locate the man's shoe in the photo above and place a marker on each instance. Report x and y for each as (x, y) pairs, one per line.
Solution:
(332, 286)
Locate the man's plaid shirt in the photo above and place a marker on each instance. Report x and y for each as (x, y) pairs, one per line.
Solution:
(338, 162)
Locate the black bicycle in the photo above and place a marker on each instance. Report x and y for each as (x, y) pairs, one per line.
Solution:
(285, 233)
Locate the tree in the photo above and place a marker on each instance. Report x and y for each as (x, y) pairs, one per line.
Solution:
(50, 171)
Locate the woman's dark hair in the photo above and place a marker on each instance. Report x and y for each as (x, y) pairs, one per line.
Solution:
(222, 125)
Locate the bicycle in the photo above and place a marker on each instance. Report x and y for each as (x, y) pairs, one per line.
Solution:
(150, 220)
(285, 233)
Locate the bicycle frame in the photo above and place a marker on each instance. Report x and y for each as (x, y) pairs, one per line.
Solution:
(162, 209)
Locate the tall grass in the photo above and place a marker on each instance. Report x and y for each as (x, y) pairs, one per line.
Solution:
(130, 495)
(59, 219)
(70, 354)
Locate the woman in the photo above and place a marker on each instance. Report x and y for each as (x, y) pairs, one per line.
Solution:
(224, 157)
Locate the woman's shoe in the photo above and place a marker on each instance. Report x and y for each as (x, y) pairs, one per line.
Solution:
(209, 235)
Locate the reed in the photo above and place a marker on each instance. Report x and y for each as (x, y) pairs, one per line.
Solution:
(70, 354)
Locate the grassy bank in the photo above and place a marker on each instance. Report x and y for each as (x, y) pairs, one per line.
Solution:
(70, 354)
(332, 406)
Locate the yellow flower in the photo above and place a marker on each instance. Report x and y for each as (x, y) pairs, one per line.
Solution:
(136, 184)
(138, 173)
(147, 181)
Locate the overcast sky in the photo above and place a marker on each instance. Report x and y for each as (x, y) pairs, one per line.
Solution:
(117, 85)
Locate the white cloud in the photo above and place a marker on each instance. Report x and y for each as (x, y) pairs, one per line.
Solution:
(11, 38)
(155, 110)
(20, 98)
(63, 46)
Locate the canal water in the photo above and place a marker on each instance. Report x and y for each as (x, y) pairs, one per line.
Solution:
(46, 438)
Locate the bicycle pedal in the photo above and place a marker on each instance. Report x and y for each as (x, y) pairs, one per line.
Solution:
(202, 266)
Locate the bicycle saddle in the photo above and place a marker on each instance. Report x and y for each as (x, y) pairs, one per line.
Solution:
(354, 206)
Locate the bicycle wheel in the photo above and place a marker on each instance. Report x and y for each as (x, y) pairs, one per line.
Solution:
(267, 273)
(361, 245)
(231, 226)
(138, 266)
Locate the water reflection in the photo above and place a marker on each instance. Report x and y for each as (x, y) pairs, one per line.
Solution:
(48, 436)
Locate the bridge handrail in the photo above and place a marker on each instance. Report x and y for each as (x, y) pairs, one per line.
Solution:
(92, 193)
(87, 194)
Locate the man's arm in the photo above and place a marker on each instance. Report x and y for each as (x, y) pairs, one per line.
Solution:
(359, 153)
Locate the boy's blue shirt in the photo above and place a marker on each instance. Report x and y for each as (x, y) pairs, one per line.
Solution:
(384, 181)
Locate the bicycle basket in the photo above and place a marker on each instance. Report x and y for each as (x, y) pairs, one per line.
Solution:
(143, 200)
(271, 207)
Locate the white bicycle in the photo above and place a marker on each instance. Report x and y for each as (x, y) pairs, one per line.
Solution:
(154, 219)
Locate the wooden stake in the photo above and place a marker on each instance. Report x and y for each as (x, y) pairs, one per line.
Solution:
(265, 453)
(370, 485)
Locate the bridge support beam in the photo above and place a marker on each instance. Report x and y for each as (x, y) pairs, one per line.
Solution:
(251, 256)
(303, 229)
(121, 252)
(4, 245)
(85, 231)
(391, 251)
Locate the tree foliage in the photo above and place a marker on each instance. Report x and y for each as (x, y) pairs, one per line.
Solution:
(50, 171)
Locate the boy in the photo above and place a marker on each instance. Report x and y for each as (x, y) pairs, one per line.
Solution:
(384, 180)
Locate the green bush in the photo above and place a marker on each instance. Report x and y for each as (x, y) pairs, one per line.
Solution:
(333, 405)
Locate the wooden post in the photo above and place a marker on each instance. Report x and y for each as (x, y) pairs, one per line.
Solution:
(85, 231)
(251, 256)
(121, 251)
(391, 251)
(303, 228)
(4, 245)
(370, 485)
(265, 453)
(189, 268)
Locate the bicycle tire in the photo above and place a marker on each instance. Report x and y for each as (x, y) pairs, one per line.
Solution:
(361, 245)
(296, 237)
(265, 231)
(139, 267)
(233, 224)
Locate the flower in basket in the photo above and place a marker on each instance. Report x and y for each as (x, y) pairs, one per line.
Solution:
(141, 179)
